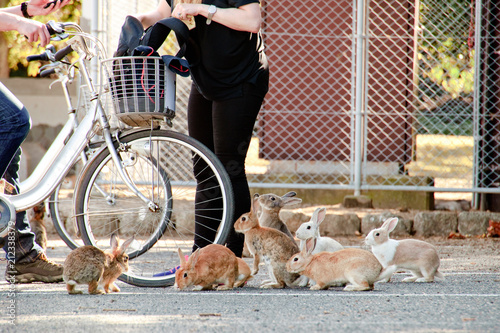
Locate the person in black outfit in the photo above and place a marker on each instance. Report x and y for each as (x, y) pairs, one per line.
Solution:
(230, 79)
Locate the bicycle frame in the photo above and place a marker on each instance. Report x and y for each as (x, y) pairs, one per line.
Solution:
(70, 143)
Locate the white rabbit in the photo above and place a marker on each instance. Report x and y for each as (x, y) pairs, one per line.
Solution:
(419, 257)
(310, 229)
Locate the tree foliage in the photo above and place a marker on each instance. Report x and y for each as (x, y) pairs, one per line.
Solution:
(445, 54)
(19, 49)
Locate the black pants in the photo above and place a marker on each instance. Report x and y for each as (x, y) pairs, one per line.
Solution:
(226, 128)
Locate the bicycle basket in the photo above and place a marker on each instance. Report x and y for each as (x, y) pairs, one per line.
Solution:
(142, 90)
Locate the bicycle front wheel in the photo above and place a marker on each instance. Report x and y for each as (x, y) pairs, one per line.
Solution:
(162, 166)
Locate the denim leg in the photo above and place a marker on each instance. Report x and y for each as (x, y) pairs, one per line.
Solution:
(15, 125)
(26, 250)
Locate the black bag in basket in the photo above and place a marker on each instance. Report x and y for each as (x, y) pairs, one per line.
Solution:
(138, 85)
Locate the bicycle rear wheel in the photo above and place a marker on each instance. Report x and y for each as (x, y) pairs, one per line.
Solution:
(161, 164)
(61, 205)
(61, 212)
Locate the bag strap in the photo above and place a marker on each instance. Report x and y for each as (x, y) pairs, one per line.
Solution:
(156, 34)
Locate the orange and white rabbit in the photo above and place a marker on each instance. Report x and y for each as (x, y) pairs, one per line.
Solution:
(357, 268)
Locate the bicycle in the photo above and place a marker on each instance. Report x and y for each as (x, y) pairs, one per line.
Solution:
(140, 182)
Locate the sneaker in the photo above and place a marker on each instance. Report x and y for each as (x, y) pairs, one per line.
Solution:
(170, 271)
(41, 270)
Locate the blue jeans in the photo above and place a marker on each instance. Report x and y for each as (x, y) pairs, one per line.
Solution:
(15, 124)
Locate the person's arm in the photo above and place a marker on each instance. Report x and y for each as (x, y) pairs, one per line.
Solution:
(33, 30)
(11, 18)
(162, 11)
(37, 7)
(244, 18)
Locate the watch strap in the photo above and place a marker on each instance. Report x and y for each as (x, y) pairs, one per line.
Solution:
(211, 13)
(24, 10)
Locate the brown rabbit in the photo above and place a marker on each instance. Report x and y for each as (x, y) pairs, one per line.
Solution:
(37, 225)
(244, 273)
(270, 245)
(92, 266)
(206, 267)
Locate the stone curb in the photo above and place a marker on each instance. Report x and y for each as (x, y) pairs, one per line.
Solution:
(354, 222)
(421, 224)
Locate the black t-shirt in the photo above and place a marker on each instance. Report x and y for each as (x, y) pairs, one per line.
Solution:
(226, 58)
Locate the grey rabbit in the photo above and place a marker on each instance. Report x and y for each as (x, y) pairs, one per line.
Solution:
(270, 207)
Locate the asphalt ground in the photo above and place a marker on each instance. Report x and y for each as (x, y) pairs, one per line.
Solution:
(467, 301)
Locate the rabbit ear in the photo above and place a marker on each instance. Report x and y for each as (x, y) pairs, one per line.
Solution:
(113, 242)
(289, 194)
(390, 224)
(318, 215)
(127, 243)
(256, 195)
(181, 256)
(255, 206)
(310, 245)
(288, 201)
(195, 255)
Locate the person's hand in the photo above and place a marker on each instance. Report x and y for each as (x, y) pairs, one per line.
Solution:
(34, 30)
(45, 7)
(183, 11)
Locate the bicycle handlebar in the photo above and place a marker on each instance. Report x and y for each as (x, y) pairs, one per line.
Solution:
(49, 54)
(63, 52)
(47, 72)
(35, 57)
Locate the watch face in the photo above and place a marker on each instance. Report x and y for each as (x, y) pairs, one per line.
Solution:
(212, 9)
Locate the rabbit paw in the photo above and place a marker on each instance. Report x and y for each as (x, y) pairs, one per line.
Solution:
(223, 287)
(424, 280)
(410, 279)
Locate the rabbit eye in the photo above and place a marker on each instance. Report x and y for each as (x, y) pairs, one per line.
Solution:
(295, 259)
(309, 227)
(125, 258)
(377, 234)
(243, 219)
(185, 275)
(273, 198)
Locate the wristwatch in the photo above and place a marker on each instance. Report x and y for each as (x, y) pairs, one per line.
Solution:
(211, 11)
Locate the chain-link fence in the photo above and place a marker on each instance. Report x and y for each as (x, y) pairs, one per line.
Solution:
(364, 95)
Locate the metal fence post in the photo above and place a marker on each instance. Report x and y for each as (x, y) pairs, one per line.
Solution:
(476, 114)
(359, 105)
